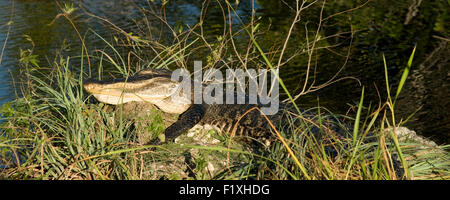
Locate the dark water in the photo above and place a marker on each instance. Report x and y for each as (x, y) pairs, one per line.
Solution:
(382, 26)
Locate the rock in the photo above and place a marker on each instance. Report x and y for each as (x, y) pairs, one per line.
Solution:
(200, 135)
(406, 135)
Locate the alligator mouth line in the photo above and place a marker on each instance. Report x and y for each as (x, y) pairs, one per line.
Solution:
(119, 96)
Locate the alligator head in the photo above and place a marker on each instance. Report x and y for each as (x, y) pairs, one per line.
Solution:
(149, 85)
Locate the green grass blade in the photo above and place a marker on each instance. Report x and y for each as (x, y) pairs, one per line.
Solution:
(405, 73)
(358, 117)
(387, 79)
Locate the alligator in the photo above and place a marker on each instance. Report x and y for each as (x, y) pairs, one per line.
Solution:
(155, 86)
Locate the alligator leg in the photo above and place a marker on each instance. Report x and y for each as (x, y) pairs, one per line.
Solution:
(186, 121)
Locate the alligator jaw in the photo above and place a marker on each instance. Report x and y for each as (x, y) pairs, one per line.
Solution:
(156, 90)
